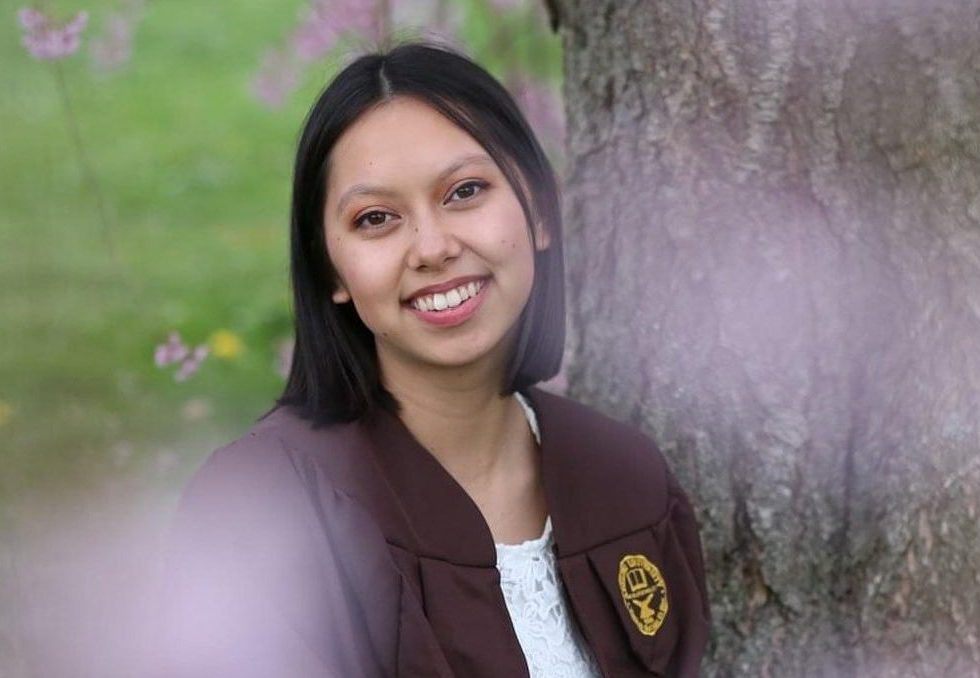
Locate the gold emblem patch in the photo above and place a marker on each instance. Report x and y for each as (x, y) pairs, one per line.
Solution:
(644, 592)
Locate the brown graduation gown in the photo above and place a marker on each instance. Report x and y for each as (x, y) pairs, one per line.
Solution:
(350, 551)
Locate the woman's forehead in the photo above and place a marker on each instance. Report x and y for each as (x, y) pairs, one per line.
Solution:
(400, 137)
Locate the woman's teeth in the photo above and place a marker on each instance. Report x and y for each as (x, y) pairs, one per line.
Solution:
(451, 299)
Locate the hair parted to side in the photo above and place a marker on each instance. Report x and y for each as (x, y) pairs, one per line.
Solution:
(335, 375)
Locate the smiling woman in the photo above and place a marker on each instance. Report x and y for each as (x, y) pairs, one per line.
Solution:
(415, 145)
(414, 505)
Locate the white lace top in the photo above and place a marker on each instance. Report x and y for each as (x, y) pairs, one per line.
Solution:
(553, 646)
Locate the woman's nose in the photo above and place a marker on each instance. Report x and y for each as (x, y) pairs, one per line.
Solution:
(433, 243)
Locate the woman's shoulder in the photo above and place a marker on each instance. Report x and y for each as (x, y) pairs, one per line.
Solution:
(253, 548)
(600, 460)
(264, 472)
(274, 446)
(256, 458)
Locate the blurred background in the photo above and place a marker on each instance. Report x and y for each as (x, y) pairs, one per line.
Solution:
(145, 159)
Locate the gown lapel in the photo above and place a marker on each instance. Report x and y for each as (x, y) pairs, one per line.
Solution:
(446, 522)
(448, 557)
(597, 487)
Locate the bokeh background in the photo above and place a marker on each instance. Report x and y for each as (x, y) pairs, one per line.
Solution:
(145, 160)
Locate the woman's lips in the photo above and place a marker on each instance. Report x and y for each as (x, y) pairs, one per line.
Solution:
(451, 317)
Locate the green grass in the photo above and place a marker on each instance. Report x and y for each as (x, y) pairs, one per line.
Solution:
(195, 176)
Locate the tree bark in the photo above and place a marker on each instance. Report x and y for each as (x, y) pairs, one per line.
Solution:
(773, 237)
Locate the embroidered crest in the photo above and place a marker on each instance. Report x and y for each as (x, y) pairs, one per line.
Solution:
(644, 592)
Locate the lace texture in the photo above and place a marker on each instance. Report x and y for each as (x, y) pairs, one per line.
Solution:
(552, 644)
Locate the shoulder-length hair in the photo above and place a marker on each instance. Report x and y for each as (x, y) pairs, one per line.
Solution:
(334, 375)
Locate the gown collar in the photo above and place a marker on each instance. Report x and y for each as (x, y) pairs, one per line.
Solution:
(597, 486)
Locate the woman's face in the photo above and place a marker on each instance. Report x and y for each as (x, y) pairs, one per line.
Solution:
(427, 238)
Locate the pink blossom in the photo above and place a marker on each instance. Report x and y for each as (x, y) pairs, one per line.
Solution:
(328, 20)
(322, 23)
(114, 47)
(277, 79)
(171, 352)
(176, 351)
(45, 40)
(314, 36)
(191, 363)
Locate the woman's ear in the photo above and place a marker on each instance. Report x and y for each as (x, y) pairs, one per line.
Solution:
(340, 295)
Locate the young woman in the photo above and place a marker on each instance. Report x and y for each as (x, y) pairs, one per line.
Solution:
(414, 506)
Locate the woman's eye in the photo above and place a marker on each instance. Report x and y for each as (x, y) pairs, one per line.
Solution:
(372, 219)
(467, 190)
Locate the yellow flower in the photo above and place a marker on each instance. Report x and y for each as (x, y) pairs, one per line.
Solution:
(226, 345)
(6, 412)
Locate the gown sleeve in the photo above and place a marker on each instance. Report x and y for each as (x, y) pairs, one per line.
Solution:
(261, 580)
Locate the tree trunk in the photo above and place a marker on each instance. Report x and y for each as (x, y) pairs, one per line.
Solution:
(773, 234)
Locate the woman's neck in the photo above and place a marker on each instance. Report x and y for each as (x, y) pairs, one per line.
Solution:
(481, 438)
(462, 419)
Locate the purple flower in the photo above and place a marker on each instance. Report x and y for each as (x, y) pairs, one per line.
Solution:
(315, 35)
(171, 352)
(191, 363)
(277, 79)
(321, 24)
(176, 351)
(327, 20)
(114, 47)
(45, 40)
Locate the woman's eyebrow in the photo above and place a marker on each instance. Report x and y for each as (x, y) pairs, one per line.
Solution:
(373, 189)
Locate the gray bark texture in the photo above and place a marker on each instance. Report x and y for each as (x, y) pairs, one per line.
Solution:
(773, 237)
